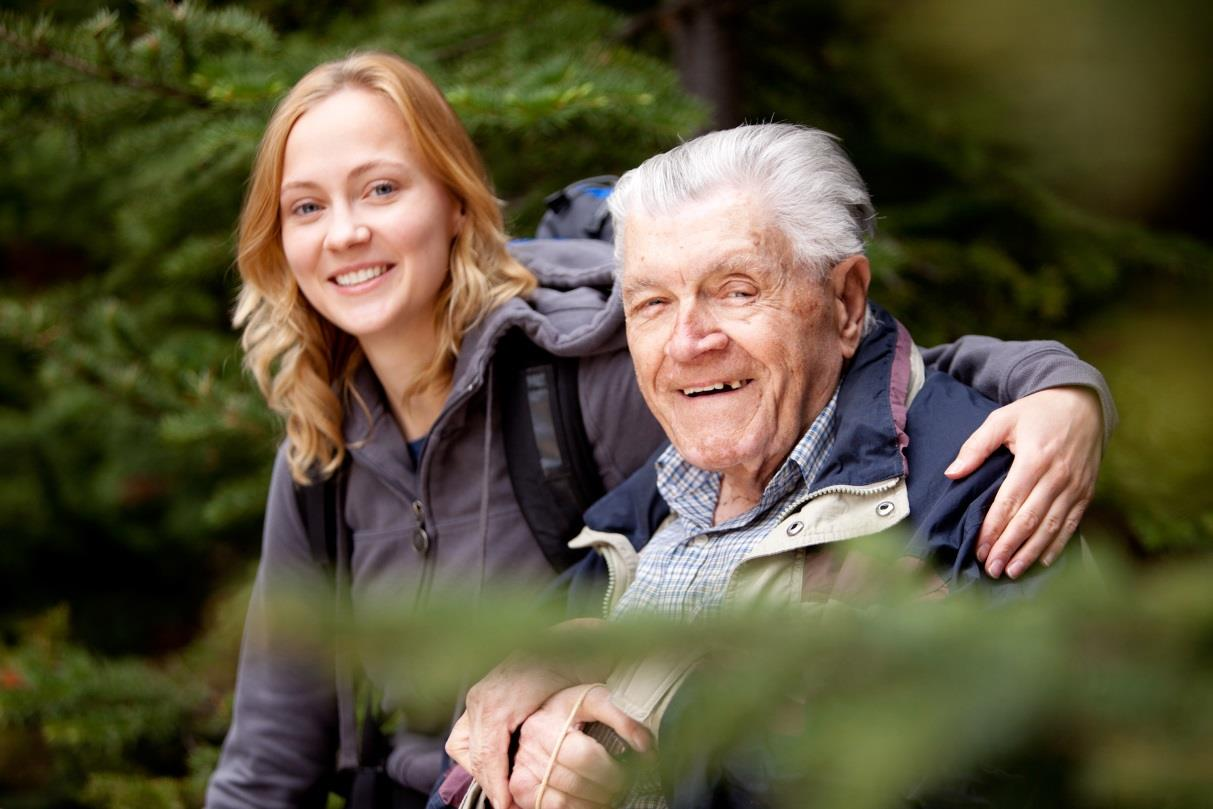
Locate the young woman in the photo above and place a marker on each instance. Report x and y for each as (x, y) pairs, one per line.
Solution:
(377, 285)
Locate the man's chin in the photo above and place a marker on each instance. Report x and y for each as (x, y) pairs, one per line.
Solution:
(717, 456)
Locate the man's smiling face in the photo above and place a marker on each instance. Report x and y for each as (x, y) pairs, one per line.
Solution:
(736, 350)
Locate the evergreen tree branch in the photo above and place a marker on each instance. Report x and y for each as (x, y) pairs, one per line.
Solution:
(466, 46)
(41, 50)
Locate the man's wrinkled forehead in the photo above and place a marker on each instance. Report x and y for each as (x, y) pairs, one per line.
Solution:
(756, 262)
(756, 245)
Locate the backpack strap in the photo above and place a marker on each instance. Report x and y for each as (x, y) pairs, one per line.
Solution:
(548, 454)
(317, 503)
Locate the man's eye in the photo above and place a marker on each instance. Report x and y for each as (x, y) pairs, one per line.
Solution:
(645, 306)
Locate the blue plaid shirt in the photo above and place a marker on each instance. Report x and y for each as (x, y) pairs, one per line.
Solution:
(687, 564)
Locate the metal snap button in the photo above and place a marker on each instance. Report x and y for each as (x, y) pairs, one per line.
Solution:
(884, 508)
(421, 541)
(795, 528)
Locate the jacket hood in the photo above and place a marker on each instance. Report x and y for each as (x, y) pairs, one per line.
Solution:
(575, 311)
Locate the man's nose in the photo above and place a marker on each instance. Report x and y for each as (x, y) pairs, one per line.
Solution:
(344, 230)
(696, 333)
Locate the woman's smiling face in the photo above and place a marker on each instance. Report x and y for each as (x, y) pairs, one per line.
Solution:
(366, 227)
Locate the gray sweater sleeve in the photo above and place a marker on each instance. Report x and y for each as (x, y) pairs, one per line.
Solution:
(282, 739)
(1009, 370)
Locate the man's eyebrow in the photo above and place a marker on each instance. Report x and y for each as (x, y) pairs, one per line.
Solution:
(755, 263)
(736, 263)
(634, 286)
(361, 168)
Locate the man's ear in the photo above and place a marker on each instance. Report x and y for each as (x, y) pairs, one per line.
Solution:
(849, 281)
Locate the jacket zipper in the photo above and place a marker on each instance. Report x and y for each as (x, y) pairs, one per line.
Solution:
(843, 488)
(608, 599)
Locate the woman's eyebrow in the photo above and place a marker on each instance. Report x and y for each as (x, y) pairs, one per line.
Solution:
(374, 165)
(294, 184)
(360, 169)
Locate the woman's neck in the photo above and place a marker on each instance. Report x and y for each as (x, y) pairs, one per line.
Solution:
(398, 360)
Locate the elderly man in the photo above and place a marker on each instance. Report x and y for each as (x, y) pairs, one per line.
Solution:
(800, 417)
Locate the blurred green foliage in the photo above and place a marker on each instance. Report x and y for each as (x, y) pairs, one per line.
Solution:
(81, 730)
(1024, 158)
(1096, 692)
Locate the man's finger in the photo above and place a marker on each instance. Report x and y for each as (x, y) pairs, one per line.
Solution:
(561, 791)
(583, 758)
(579, 754)
(457, 743)
(490, 765)
(525, 792)
(980, 445)
(598, 782)
(597, 707)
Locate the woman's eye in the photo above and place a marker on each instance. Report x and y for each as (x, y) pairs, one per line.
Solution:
(382, 189)
(305, 208)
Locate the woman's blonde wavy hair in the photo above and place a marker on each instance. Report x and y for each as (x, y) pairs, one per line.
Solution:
(303, 364)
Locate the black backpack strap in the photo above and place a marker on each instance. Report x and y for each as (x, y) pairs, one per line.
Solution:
(549, 457)
(317, 502)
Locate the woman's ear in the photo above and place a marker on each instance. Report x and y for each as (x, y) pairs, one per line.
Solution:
(849, 281)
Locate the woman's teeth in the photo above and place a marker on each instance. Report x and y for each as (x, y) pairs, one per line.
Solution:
(349, 279)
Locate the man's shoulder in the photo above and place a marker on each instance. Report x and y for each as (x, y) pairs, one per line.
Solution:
(945, 412)
(947, 513)
(940, 419)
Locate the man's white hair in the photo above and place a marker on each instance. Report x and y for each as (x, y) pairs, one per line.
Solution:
(799, 175)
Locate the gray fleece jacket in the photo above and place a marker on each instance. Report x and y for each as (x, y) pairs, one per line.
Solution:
(411, 529)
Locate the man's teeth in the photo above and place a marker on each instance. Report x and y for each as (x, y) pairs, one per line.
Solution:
(734, 385)
(349, 279)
